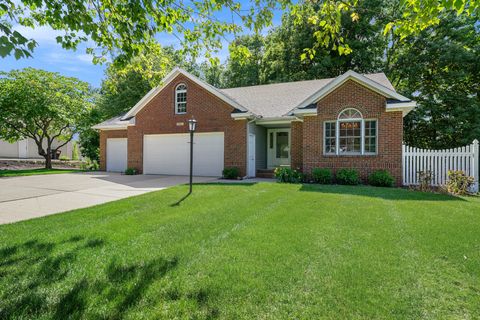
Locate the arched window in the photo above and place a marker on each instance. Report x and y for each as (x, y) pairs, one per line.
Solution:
(351, 134)
(350, 113)
(181, 99)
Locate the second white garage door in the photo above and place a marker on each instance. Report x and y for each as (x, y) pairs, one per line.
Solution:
(170, 154)
(116, 154)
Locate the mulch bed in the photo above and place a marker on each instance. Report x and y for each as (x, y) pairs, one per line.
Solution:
(22, 164)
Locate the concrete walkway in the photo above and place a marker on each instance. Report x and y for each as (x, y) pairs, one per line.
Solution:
(23, 198)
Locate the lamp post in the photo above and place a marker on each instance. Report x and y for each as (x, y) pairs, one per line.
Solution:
(192, 124)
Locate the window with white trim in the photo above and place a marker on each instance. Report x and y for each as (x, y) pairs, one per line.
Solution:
(350, 134)
(181, 99)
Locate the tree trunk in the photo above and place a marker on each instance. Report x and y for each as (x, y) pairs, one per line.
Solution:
(48, 158)
(48, 162)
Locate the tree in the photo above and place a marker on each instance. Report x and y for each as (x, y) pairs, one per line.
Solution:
(440, 69)
(277, 57)
(287, 43)
(89, 139)
(212, 74)
(43, 106)
(125, 28)
(242, 71)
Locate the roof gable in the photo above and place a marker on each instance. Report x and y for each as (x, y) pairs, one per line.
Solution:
(386, 91)
(172, 76)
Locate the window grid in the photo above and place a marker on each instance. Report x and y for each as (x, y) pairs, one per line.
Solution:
(350, 134)
(370, 136)
(330, 138)
(350, 137)
(181, 99)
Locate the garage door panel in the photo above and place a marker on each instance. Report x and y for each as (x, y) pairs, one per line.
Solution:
(116, 154)
(170, 154)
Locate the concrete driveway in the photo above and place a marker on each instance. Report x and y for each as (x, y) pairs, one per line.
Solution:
(23, 198)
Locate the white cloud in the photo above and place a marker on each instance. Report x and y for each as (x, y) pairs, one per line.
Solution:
(44, 34)
(61, 56)
(84, 58)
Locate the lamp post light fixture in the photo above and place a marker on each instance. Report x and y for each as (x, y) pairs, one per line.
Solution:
(192, 125)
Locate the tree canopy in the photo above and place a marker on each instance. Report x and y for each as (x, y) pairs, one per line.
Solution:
(439, 68)
(43, 106)
(123, 28)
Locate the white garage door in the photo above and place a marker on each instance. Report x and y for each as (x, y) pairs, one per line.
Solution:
(170, 154)
(116, 154)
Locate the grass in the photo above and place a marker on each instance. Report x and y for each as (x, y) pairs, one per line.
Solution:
(267, 251)
(32, 172)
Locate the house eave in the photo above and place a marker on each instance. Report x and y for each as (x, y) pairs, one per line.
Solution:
(305, 112)
(114, 127)
(243, 116)
(404, 106)
(276, 120)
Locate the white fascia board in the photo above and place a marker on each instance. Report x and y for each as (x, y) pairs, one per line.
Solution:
(405, 107)
(351, 75)
(242, 115)
(276, 120)
(169, 78)
(112, 127)
(305, 112)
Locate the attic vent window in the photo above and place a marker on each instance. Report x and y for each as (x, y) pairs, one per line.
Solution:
(181, 99)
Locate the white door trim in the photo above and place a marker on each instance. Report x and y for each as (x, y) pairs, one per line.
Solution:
(272, 160)
(251, 156)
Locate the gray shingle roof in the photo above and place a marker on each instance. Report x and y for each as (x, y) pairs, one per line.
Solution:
(275, 100)
(114, 122)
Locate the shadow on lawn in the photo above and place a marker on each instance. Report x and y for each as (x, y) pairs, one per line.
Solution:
(31, 274)
(362, 190)
(210, 184)
(379, 192)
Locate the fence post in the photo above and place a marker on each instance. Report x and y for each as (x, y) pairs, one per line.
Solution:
(476, 162)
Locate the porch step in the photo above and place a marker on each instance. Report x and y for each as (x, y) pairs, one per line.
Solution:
(265, 173)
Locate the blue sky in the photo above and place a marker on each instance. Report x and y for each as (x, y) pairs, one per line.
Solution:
(50, 56)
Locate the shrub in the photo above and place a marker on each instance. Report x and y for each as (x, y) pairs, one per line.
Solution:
(64, 158)
(288, 175)
(381, 178)
(322, 175)
(131, 171)
(89, 165)
(458, 182)
(348, 176)
(231, 173)
(424, 181)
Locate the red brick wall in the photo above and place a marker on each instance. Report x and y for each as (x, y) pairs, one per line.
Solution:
(296, 148)
(372, 105)
(211, 113)
(104, 135)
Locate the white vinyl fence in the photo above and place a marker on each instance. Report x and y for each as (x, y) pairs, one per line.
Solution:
(439, 162)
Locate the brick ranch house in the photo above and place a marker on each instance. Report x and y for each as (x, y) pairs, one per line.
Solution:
(352, 121)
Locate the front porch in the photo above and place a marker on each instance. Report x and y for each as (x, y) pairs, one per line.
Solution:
(269, 147)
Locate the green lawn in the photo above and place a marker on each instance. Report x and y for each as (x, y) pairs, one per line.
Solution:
(32, 172)
(260, 251)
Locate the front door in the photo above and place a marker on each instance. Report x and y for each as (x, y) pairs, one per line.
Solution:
(278, 143)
